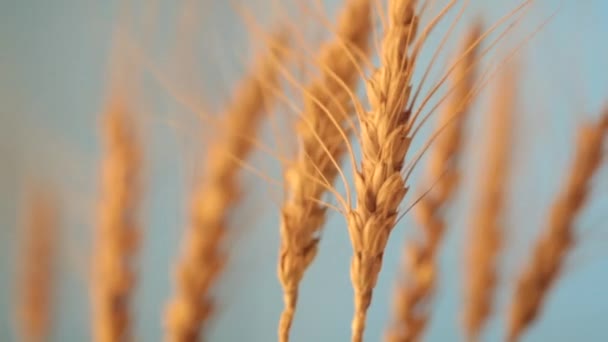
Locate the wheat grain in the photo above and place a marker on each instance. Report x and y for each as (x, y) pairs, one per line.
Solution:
(412, 299)
(548, 256)
(118, 230)
(379, 184)
(485, 235)
(204, 256)
(327, 103)
(36, 281)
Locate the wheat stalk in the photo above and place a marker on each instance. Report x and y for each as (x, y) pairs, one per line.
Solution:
(327, 108)
(412, 299)
(385, 140)
(486, 231)
(204, 256)
(546, 262)
(39, 251)
(118, 230)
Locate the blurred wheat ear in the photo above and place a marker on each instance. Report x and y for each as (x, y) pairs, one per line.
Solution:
(38, 257)
(203, 255)
(412, 299)
(118, 232)
(486, 228)
(548, 256)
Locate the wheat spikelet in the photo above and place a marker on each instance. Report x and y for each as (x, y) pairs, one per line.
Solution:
(35, 284)
(118, 232)
(204, 256)
(549, 254)
(379, 185)
(486, 227)
(302, 217)
(412, 299)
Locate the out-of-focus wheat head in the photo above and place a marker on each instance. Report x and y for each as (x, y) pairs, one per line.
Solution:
(385, 140)
(546, 263)
(118, 230)
(40, 229)
(327, 107)
(203, 255)
(486, 231)
(412, 299)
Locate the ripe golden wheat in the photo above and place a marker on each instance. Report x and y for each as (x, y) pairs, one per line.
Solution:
(118, 231)
(39, 254)
(335, 121)
(548, 256)
(385, 140)
(204, 256)
(321, 131)
(412, 299)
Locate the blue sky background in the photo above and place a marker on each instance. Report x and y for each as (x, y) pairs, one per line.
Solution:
(54, 62)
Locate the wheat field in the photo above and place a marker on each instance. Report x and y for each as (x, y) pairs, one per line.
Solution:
(303, 170)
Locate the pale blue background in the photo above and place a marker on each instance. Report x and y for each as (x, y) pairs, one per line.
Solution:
(54, 57)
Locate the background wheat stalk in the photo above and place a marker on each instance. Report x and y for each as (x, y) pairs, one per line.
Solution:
(548, 257)
(204, 256)
(412, 300)
(486, 230)
(117, 234)
(385, 140)
(327, 108)
(38, 255)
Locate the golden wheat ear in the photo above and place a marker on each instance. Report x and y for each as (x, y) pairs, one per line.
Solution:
(40, 235)
(321, 133)
(412, 299)
(118, 230)
(546, 262)
(203, 256)
(486, 227)
(379, 185)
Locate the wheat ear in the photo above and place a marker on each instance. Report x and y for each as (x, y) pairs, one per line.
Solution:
(327, 104)
(385, 140)
(486, 231)
(547, 260)
(203, 250)
(412, 299)
(118, 232)
(39, 251)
